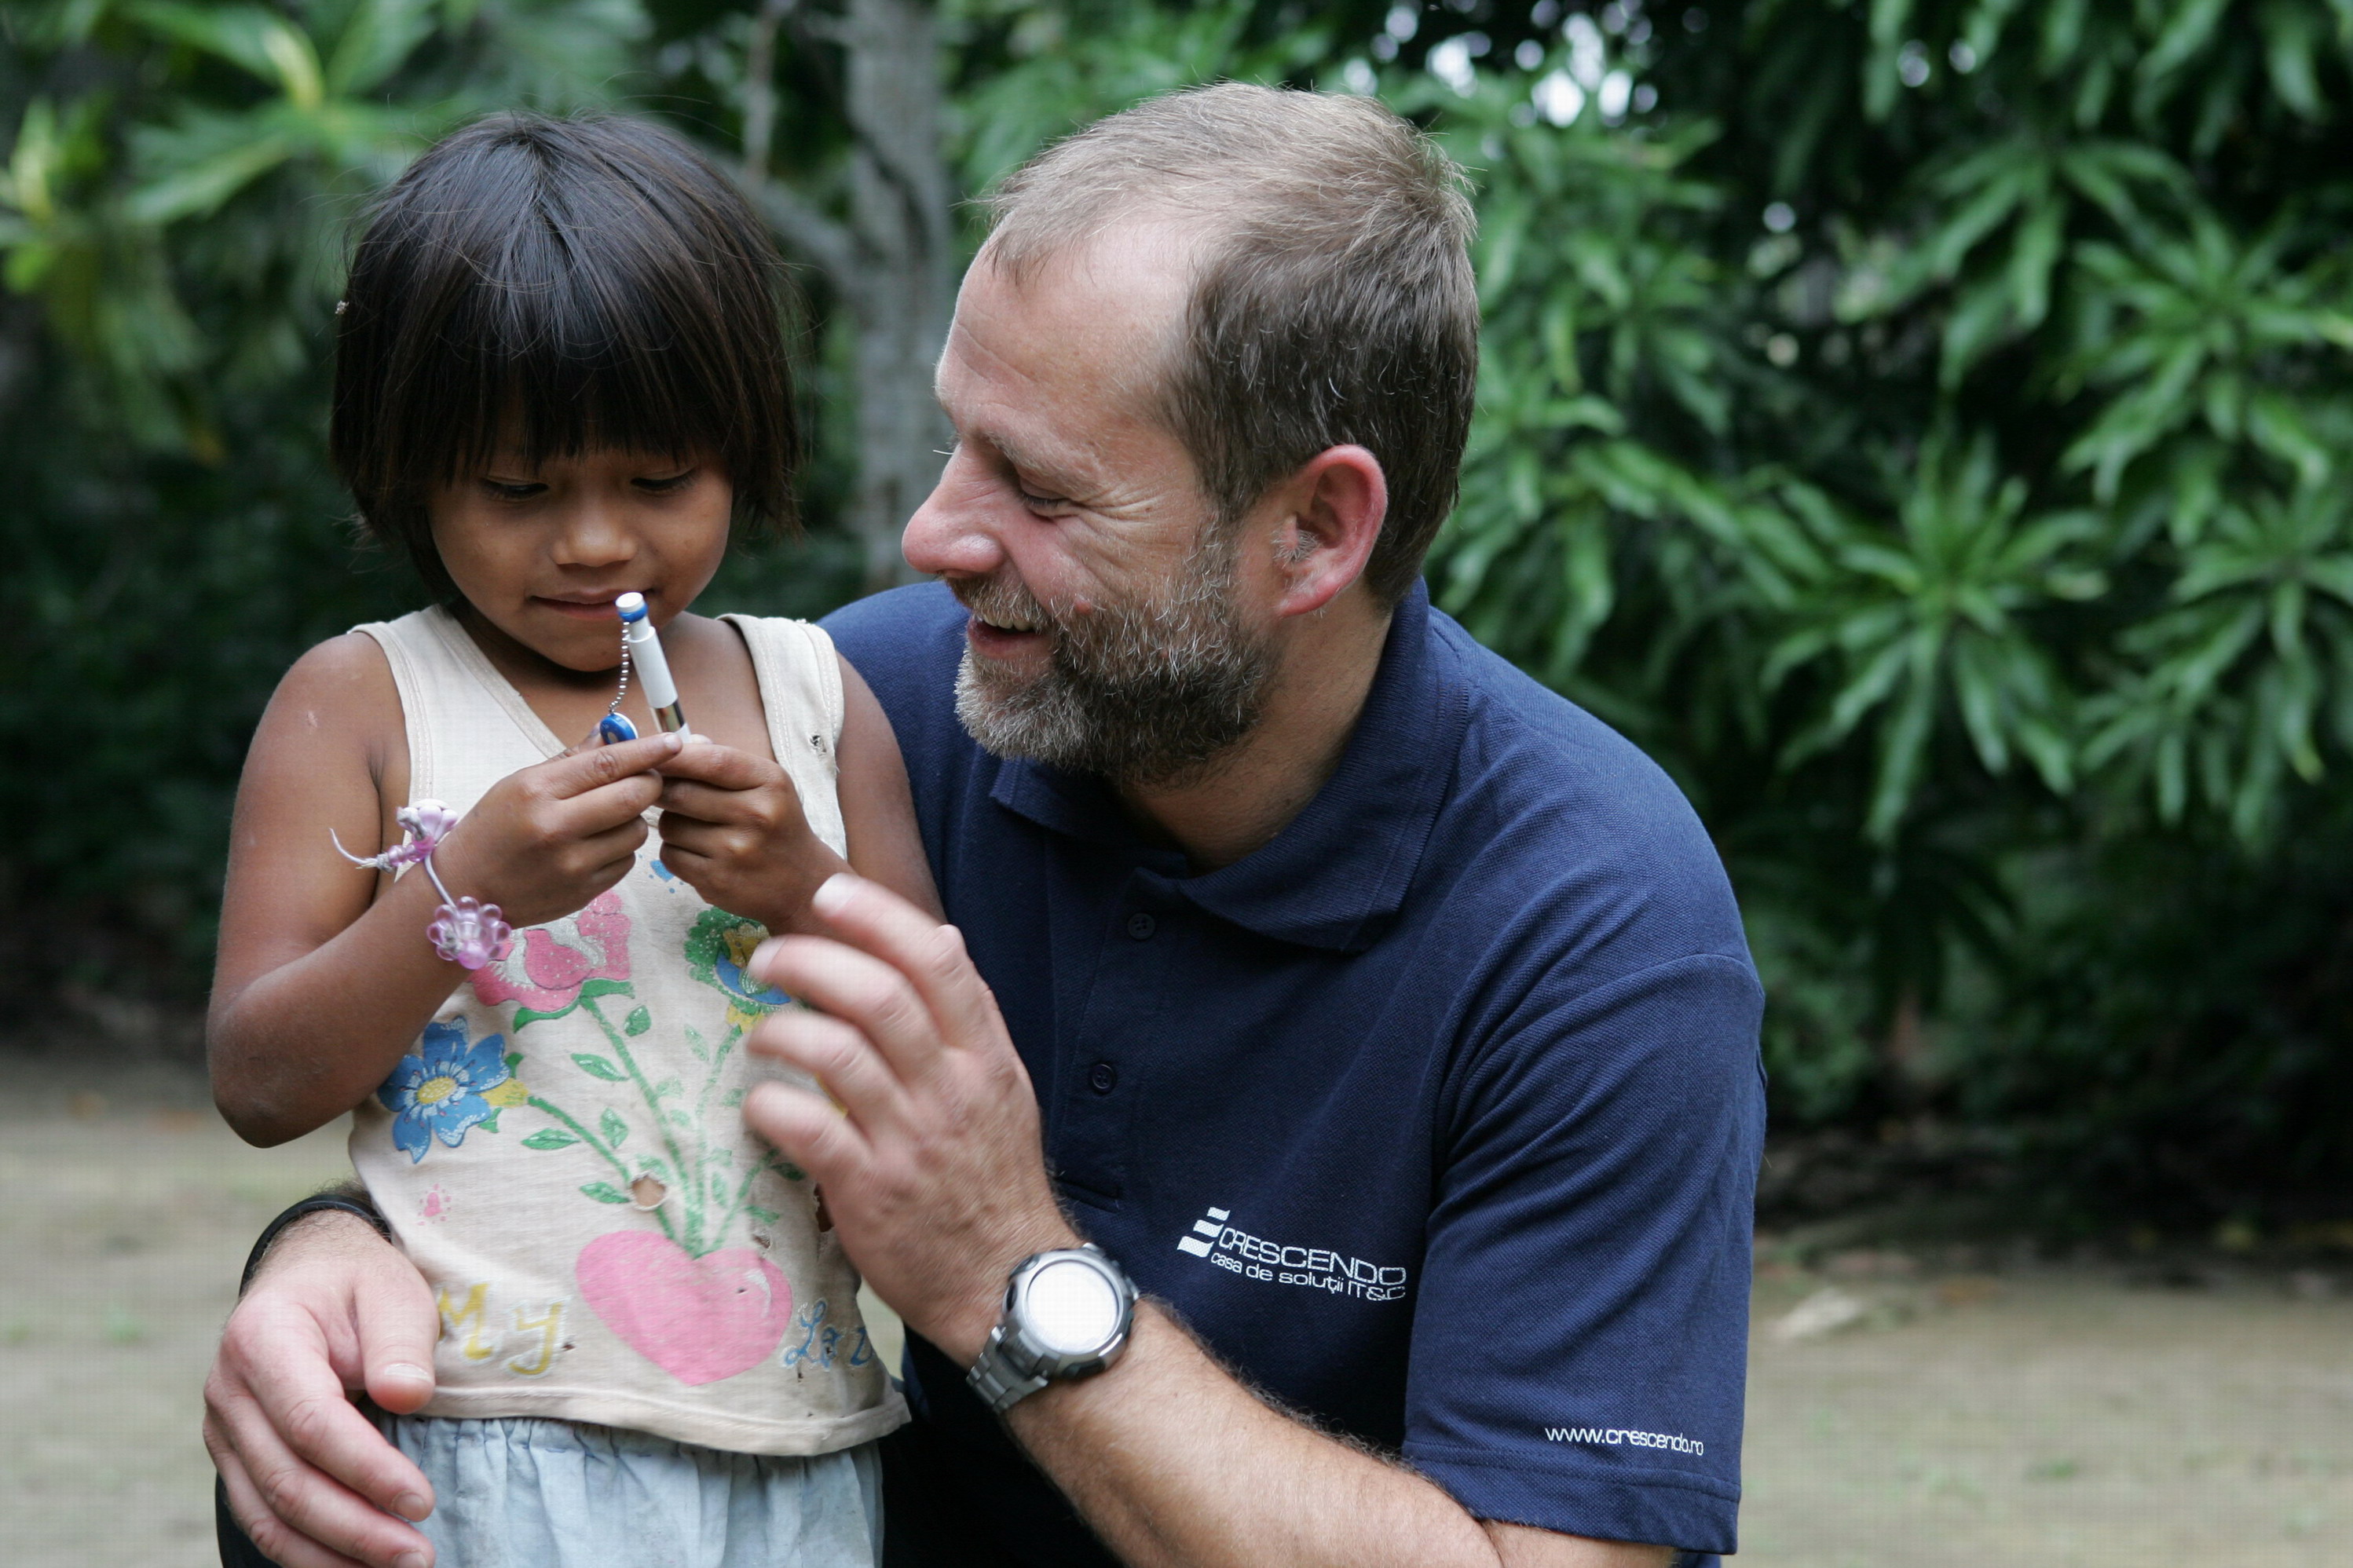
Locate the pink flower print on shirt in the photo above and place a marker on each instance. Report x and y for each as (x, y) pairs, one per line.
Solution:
(548, 977)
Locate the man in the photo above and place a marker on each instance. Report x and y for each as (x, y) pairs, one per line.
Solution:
(1381, 1016)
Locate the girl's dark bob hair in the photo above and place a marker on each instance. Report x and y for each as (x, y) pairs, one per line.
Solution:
(540, 287)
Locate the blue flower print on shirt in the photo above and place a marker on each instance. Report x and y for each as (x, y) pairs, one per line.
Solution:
(717, 950)
(439, 1092)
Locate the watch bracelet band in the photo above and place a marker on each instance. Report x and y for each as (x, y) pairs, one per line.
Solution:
(319, 1203)
(996, 1380)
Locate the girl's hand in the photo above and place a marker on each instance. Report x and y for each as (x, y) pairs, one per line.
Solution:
(732, 829)
(545, 840)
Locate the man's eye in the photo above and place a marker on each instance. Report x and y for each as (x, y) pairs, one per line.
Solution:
(1042, 503)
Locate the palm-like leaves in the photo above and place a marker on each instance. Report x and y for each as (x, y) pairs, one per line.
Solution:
(1927, 622)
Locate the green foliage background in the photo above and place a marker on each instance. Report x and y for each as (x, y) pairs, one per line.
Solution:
(1917, 424)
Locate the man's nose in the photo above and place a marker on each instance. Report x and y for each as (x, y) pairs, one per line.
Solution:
(951, 534)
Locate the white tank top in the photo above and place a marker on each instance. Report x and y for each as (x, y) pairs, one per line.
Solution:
(562, 1154)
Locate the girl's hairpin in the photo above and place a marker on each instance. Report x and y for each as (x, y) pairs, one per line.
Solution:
(466, 932)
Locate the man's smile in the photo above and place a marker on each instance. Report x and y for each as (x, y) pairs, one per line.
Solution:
(1006, 622)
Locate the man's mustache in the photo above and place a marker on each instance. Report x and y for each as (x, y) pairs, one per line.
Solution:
(1005, 600)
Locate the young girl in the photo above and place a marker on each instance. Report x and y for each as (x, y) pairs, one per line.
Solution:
(561, 378)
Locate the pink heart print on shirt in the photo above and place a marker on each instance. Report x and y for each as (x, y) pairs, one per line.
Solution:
(698, 1318)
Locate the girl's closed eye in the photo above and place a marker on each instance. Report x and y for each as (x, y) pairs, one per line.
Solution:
(666, 485)
(512, 490)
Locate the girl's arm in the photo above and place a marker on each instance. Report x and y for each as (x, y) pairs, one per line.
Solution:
(733, 830)
(325, 976)
(878, 813)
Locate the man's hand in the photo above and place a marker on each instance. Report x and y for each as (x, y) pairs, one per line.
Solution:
(930, 1159)
(731, 827)
(310, 1479)
(929, 1153)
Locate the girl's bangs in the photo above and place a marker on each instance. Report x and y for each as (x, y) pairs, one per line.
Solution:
(554, 366)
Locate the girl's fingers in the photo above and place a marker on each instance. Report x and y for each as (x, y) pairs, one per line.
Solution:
(684, 797)
(609, 805)
(842, 1060)
(587, 768)
(616, 846)
(723, 767)
(691, 837)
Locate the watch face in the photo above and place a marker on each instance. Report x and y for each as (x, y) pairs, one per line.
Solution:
(1070, 1308)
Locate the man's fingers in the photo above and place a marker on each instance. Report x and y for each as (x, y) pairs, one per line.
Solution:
(277, 1498)
(807, 1129)
(870, 916)
(399, 1325)
(270, 1535)
(841, 1059)
(861, 990)
(298, 1409)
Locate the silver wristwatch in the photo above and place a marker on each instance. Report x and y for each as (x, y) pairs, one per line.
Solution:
(1067, 1315)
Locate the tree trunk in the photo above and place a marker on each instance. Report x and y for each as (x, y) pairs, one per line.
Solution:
(900, 204)
(893, 263)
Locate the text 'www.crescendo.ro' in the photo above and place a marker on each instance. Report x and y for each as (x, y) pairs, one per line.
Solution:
(1615, 1436)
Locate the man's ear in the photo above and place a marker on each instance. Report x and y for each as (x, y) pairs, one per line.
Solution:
(1331, 516)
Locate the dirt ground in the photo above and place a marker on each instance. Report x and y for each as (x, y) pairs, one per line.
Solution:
(1968, 1412)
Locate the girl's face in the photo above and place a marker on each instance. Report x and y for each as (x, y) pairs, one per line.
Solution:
(541, 553)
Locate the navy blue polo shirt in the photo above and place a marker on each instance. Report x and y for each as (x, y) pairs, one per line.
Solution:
(1437, 1118)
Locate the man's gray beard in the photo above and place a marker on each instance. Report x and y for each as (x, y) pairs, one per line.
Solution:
(1140, 692)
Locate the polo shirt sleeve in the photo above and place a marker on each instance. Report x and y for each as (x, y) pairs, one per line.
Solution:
(1580, 1333)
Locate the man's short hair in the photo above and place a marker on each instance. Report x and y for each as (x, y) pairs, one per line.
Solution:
(1334, 301)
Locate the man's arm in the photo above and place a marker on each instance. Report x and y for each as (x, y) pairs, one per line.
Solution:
(1175, 1463)
(926, 1143)
(333, 1308)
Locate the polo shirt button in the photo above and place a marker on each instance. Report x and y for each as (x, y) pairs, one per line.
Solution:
(1141, 926)
(1103, 1078)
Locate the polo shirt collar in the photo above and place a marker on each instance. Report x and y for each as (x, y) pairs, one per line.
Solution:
(1343, 865)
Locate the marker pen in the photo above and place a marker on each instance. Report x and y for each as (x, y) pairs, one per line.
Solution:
(645, 658)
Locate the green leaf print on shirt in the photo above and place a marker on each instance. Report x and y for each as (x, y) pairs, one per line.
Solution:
(703, 1192)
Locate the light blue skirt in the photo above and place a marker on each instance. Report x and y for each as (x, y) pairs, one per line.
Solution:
(515, 1492)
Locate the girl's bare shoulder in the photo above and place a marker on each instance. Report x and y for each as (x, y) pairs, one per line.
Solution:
(338, 699)
(340, 681)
